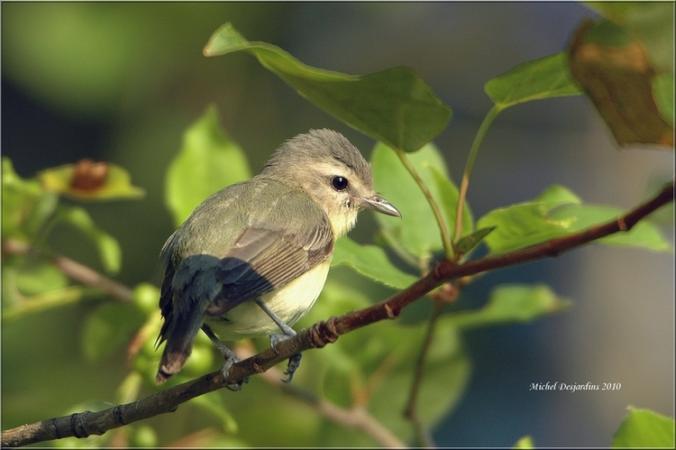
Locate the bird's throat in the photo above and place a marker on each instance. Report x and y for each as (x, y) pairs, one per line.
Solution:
(342, 220)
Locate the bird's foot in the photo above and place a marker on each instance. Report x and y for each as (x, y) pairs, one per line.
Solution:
(294, 361)
(230, 359)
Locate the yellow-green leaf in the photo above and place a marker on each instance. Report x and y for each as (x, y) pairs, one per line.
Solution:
(370, 261)
(512, 303)
(539, 79)
(208, 161)
(643, 428)
(524, 442)
(417, 231)
(87, 180)
(558, 212)
(108, 248)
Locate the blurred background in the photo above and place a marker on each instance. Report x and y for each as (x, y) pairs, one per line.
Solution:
(122, 81)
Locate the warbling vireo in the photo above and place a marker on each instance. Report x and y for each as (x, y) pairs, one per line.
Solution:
(253, 257)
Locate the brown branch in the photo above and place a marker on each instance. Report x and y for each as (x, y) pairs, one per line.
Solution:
(85, 423)
(76, 271)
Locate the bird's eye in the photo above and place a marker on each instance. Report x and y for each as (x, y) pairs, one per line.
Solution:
(339, 183)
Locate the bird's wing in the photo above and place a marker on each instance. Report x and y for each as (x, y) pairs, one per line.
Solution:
(240, 243)
(267, 257)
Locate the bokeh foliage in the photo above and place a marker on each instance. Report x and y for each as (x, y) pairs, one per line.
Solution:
(371, 368)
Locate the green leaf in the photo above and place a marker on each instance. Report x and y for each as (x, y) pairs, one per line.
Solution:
(522, 225)
(394, 106)
(663, 93)
(370, 261)
(447, 371)
(557, 194)
(643, 235)
(539, 79)
(556, 213)
(87, 180)
(512, 303)
(35, 277)
(208, 161)
(107, 329)
(416, 232)
(650, 22)
(468, 243)
(525, 442)
(380, 359)
(108, 248)
(643, 428)
(26, 207)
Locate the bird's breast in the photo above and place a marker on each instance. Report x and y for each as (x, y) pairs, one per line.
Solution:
(289, 303)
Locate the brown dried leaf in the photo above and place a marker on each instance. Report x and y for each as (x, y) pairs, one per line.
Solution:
(617, 76)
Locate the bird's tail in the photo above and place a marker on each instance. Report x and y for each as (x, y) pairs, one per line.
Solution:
(180, 335)
(186, 295)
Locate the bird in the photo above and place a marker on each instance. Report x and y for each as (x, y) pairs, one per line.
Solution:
(253, 258)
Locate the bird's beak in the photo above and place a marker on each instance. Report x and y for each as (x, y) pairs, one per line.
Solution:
(381, 205)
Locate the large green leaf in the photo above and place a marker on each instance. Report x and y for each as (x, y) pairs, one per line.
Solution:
(512, 303)
(643, 235)
(539, 79)
(394, 106)
(108, 248)
(416, 232)
(558, 212)
(370, 261)
(643, 428)
(208, 161)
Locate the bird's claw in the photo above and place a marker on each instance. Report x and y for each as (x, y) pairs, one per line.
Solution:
(294, 360)
(230, 359)
(293, 365)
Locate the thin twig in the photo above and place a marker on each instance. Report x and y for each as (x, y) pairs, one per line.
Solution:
(410, 411)
(358, 417)
(76, 271)
(320, 334)
(469, 165)
(438, 216)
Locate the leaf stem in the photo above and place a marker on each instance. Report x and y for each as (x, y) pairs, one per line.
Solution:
(469, 165)
(411, 411)
(48, 300)
(441, 222)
